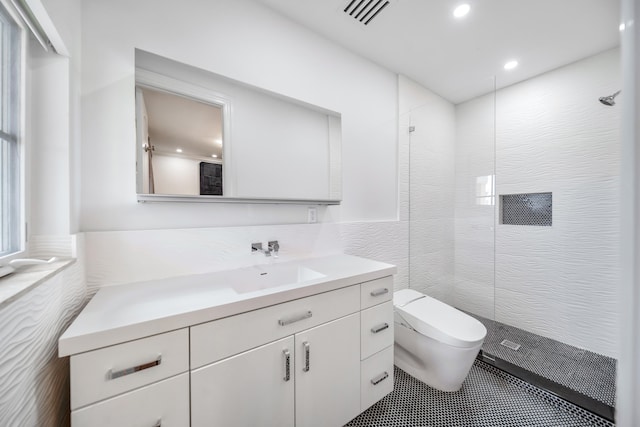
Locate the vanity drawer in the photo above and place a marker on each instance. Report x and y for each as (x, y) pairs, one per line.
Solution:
(165, 404)
(109, 371)
(376, 291)
(376, 377)
(222, 338)
(376, 331)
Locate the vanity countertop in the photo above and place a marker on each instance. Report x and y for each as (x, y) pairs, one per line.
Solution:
(127, 312)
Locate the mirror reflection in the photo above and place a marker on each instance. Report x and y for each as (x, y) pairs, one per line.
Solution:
(182, 144)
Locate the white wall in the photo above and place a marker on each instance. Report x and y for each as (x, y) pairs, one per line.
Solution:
(553, 135)
(248, 42)
(432, 185)
(48, 143)
(176, 175)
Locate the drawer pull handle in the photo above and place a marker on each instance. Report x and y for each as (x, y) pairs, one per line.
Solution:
(117, 374)
(379, 292)
(379, 328)
(295, 318)
(287, 365)
(307, 351)
(377, 380)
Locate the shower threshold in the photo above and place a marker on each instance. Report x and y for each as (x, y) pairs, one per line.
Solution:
(590, 404)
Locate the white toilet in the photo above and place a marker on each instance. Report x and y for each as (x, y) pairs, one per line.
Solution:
(434, 342)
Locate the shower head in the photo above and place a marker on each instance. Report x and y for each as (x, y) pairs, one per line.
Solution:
(609, 100)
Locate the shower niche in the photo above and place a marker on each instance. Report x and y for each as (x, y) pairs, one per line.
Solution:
(527, 209)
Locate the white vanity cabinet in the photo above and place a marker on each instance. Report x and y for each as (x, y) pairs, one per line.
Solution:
(309, 379)
(316, 365)
(201, 353)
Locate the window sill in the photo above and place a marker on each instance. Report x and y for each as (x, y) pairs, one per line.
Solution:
(22, 281)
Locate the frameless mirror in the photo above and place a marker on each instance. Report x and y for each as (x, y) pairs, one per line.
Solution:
(205, 137)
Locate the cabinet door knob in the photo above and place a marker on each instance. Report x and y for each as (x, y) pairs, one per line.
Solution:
(377, 380)
(287, 364)
(379, 292)
(111, 375)
(295, 318)
(307, 351)
(379, 328)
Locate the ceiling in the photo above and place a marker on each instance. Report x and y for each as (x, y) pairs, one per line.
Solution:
(457, 58)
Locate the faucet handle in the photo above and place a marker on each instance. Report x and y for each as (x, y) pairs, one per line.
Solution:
(274, 247)
(256, 247)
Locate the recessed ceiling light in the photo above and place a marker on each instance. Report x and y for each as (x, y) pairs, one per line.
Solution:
(178, 150)
(461, 10)
(511, 65)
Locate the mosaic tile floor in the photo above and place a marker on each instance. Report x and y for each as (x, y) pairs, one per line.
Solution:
(488, 398)
(589, 373)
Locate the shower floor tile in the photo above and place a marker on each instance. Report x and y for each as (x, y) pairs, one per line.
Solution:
(488, 398)
(591, 374)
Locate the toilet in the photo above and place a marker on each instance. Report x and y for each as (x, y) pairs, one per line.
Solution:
(434, 342)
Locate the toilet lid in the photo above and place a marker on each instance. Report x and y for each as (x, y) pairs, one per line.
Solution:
(438, 320)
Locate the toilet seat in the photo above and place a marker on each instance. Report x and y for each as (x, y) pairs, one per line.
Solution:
(438, 320)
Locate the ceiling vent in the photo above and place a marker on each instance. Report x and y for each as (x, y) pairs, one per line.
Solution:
(365, 10)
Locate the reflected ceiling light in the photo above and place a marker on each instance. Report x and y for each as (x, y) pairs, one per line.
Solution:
(622, 27)
(215, 156)
(461, 10)
(511, 65)
(218, 141)
(178, 150)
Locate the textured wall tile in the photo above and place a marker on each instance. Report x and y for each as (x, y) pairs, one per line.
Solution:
(35, 382)
(380, 241)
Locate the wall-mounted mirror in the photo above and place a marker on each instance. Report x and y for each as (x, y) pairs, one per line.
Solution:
(205, 137)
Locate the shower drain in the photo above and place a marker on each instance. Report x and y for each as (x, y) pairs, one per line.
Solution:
(510, 344)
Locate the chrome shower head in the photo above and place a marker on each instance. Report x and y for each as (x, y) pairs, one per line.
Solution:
(609, 100)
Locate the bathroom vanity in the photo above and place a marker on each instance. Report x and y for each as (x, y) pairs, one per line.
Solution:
(301, 343)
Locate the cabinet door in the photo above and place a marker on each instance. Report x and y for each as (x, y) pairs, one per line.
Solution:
(328, 373)
(249, 389)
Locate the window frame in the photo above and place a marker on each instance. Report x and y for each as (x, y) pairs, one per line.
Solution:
(13, 193)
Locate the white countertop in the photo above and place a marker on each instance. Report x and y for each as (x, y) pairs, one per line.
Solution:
(123, 313)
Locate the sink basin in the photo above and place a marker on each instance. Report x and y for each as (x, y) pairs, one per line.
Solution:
(262, 277)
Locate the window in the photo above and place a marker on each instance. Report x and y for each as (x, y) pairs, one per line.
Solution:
(10, 120)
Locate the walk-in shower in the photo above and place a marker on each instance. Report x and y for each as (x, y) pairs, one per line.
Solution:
(513, 216)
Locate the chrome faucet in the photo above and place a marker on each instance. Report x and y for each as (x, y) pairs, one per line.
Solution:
(273, 247)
